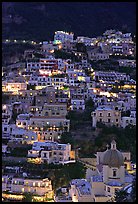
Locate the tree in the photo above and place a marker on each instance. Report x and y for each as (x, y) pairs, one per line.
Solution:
(27, 197)
(121, 196)
(14, 114)
(29, 87)
(133, 192)
(89, 103)
(81, 47)
(5, 98)
(66, 137)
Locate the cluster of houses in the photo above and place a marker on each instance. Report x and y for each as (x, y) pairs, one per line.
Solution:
(110, 174)
(38, 95)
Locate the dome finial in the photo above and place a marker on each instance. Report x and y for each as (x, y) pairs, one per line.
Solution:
(113, 144)
(107, 146)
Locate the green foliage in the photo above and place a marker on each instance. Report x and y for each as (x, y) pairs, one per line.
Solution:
(133, 192)
(86, 148)
(63, 176)
(30, 87)
(89, 103)
(65, 55)
(20, 151)
(81, 47)
(121, 196)
(14, 115)
(5, 98)
(125, 113)
(125, 138)
(66, 137)
(27, 197)
(38, 55)
(124, 196)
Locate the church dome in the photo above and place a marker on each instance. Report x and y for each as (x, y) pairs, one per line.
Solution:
(113, 157)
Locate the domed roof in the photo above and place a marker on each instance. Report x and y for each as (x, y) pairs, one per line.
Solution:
(113, 157)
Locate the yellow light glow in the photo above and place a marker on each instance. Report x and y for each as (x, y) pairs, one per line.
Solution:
(4, 107)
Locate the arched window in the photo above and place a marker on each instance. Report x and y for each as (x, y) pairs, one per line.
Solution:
(114, 172)
(108, 189)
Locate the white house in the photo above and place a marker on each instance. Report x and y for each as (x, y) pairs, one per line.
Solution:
(129, 120)
(77, 104)
(52, 152)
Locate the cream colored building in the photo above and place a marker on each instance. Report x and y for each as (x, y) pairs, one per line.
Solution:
(51, 152)
(54, 109)
(111, 174)
(106, 115)
(23, 120)
(80, 191)
(77, 104)
(6, 113)
(129, 120)
(92, 55)
(14, 87)
(49, 127)
(101, 183)
(38, 187)
(23, 135)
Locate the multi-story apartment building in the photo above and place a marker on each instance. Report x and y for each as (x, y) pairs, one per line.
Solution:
(6, 113)
(77, 104)
(129, 120)
(110, 76)
(63, 36)
(23, 136)
(41, 188)
(54, 109)
(22, 120)
(127, 63)
(47, 95)
(86, 40)
(69, 46)
(13, 87)
(97, 56)
(52, 152)
(37, 122)
(106, 115)
(33, 66)
(117, 49)
(51, 64)
(49, 47)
